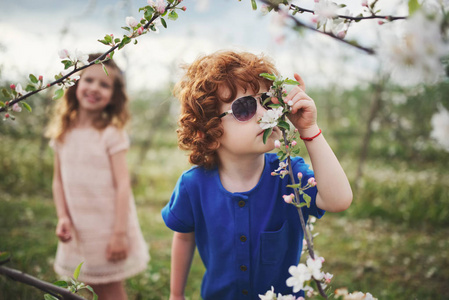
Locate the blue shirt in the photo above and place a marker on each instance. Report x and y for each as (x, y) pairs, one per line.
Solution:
(248, 240)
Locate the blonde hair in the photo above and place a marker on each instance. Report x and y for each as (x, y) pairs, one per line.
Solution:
(66, 110)
(200, 92)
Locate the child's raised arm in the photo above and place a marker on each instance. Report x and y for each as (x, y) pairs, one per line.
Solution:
(183, 247)
(334, 190)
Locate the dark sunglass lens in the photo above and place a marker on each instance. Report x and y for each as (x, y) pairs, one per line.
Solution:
(244, 108)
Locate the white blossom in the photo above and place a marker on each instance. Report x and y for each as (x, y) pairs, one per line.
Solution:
(440, 128)
(63, 53)
(270, 118)
(269, 295)
(300, 274)
(314, 266)
(413, 56)
(19, 89)
(131, 22)
(324, 10)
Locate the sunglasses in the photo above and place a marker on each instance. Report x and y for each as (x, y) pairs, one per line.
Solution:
(244, 108)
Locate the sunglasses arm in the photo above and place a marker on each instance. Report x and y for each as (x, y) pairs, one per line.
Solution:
(225, 113)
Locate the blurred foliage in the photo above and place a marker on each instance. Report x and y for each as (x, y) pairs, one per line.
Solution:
(391, 242)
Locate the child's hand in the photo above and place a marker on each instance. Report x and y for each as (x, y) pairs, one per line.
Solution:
(303, 114)
(118, 247)
(64, 229)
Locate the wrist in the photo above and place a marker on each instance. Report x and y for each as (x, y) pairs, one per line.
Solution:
(309, 131)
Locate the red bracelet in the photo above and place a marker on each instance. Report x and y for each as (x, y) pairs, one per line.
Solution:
(310, 138)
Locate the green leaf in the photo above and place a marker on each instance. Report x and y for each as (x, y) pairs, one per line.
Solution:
(291, 81)
(61, 283)
(108, 38)
(6, 93)
(172, 15)
(27, 106)
(58, 94)
(413, 6)
(163, 22)
(30, 88)
(77, 271)
(2, 104)
(254, 4)
(94, 296)
(126, 28)
(307, 199)
(49, 297)
(4, 256)
(103, 42)
(294, 186)
(33, 79)
(284, 125)
(268, 76)
(266, 134)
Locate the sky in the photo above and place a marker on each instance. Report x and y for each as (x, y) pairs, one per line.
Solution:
(32, 33)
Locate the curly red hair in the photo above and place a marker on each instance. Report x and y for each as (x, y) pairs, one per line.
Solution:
(200, 92)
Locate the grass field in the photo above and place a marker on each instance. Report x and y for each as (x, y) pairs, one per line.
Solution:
(392, 242)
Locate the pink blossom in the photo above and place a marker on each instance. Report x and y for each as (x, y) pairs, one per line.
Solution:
(365, 3)
(277, 144)
(288, 198)
(63, 53)
(328, 277)
(341, 34)
(311, 181)
(131, 22)
(16, 108)
(140, 30)
(294, 143)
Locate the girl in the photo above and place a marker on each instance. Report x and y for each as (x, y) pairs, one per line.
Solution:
(97, 220)
(229, 205)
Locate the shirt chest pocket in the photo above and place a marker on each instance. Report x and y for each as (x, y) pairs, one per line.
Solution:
(274, 245)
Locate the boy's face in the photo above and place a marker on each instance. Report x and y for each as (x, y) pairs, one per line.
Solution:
(244, 138)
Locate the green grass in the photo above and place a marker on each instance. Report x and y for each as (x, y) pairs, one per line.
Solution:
(392, 242)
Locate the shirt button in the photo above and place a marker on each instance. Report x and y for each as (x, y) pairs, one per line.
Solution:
(245, 292)
(242, 203)
(243, 238)
(243, 268)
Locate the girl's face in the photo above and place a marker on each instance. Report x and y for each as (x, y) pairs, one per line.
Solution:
(244, 138)
(95, 89)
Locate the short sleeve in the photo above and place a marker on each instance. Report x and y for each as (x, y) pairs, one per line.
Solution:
(300, 166)
(178, 213)
(115, 140)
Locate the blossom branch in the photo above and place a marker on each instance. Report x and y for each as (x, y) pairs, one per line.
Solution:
(151, 14)
(55, 291)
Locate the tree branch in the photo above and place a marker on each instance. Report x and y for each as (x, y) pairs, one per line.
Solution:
(52, 289)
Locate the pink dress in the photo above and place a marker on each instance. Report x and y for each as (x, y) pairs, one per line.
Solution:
(90, 195)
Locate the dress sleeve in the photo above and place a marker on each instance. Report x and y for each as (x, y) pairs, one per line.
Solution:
(300, 166)
(178, 213)
(116, 140)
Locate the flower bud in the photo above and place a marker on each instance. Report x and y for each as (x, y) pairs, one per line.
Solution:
(273, 173)
(12, 86)
(140, 30)
(288, 198)
(290, 103)
(184, 8)
(311, 181)
(41, 78)
(380, 22)
(294, 143)
(299, 175)
(277, 144)
(6, 116)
